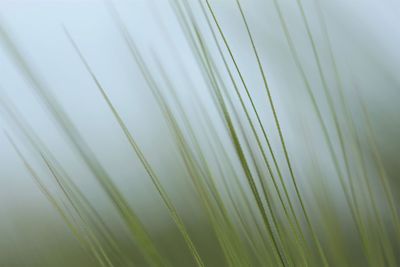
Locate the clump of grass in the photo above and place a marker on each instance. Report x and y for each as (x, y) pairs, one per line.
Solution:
(243, 189)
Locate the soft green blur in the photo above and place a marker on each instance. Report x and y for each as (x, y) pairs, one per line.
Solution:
(199, 133)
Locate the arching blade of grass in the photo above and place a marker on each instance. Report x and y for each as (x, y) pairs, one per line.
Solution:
(211, 181)
(197, 173)
(86, 241)
(299, 232)
(239, 146)
(277, 123)
(234, 136)
(172, 210)
(75, 198)
(88, 228)
(211, 138)
(261, 254)
(132, 221)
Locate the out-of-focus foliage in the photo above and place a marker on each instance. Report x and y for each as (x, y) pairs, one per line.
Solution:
(208, 133)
